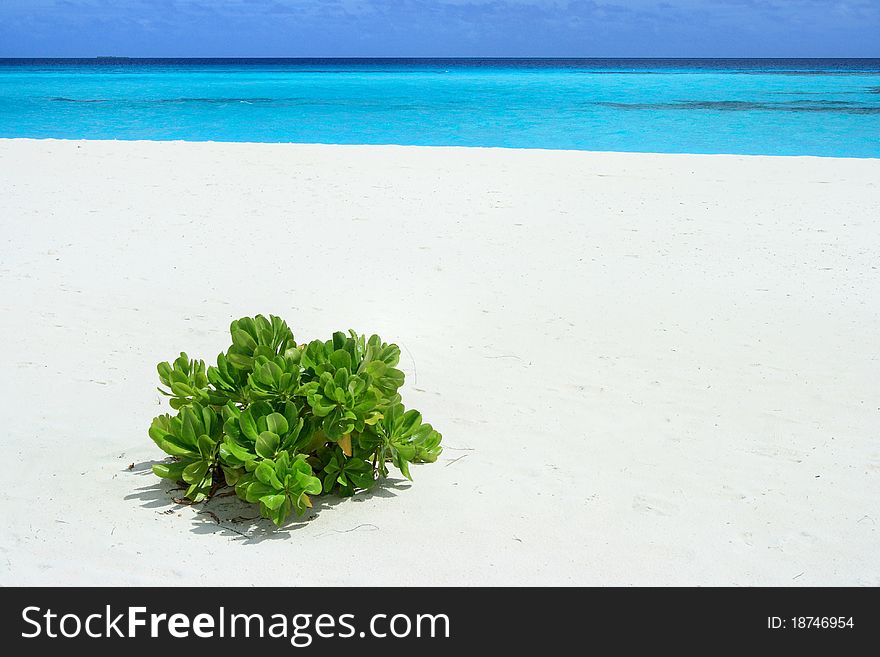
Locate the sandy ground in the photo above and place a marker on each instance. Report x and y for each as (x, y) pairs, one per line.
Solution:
(648, 369)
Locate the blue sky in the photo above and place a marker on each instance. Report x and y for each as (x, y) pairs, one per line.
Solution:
(426, 28)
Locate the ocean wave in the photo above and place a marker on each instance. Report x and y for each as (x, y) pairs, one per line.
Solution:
(199, 101)
(219, 101)
(796, 73)
(831, 106)
(360, 103)
(62, 99)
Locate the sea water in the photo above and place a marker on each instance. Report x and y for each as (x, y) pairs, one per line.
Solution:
(768, 107)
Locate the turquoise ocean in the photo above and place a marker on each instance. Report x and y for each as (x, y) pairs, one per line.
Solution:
(764, 107)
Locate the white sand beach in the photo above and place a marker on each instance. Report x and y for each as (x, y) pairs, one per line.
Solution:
(647, 369)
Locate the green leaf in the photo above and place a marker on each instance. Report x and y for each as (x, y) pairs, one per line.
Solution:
(322, 408)
(309, 484)
(232, 448)
(273, 501)
(265, 473)
(163, 430)
(293, 438)
(255, 490)
(426, 442)
(291, 414)
(390, 354)
(277, 423)
(188, 428)
(301, 504)
(241, 362)
(403, 466)
(181, 390)
(197, 492)
(232, 475)
(249, 425)
(279, 515)
(206, 446)
(282, 465)
(170, 470)
(194, 473)
(341, 359)
(209, 418)
(392, 413)
(243, 340)
(406, 451)
(409, 422)
(361, 478)
(267, 444)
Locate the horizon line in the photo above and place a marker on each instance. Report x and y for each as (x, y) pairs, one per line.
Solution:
(427, 57)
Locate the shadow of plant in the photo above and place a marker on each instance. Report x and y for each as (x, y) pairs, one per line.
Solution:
(227, 515)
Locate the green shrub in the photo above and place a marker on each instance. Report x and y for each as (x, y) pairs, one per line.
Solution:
(281, 422)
